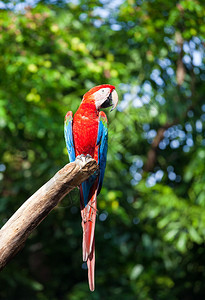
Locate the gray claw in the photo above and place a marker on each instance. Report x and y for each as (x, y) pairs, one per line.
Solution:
(81, 157)
(81, 160)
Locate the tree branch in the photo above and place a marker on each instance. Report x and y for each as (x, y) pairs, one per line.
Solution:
(17, 229)
(152, 153)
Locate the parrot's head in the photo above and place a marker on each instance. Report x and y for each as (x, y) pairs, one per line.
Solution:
(102, 96)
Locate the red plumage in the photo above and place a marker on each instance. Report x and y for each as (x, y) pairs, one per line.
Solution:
(85, 130)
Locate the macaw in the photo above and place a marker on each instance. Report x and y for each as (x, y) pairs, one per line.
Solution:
(86, 134)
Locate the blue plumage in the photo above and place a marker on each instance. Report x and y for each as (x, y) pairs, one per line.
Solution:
(102, 141)
(68, 132)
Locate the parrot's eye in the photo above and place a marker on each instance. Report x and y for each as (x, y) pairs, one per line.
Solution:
(103, 91)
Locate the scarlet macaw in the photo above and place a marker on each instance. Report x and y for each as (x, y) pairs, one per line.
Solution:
(86, 134)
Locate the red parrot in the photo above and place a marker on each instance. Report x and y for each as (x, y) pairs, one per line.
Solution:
(86, 134)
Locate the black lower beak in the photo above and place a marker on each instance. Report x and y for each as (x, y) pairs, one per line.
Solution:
(108, 102)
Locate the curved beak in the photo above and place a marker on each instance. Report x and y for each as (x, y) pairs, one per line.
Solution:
(111, 100)
(114, 97)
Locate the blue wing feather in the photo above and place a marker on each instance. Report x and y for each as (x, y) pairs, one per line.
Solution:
(86, 186)
(68, 132)
(102, 141)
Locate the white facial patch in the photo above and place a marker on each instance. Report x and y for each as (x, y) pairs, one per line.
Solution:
(101, 96)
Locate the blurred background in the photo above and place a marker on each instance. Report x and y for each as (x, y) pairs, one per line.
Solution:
(150, 229)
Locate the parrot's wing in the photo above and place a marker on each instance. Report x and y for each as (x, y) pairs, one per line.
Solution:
(102, 141)
(86, 186)
(68, 131)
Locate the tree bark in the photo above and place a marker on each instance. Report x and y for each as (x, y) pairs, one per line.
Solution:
(17, 229)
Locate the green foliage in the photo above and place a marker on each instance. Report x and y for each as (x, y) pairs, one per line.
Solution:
(150, 229)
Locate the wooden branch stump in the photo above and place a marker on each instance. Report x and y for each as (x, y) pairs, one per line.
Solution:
(17, 229)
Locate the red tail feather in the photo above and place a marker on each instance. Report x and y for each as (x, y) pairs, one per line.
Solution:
(88, 214)
(91, 267)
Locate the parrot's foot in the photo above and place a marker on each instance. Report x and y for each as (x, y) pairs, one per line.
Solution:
(81, 160)
(80, 157)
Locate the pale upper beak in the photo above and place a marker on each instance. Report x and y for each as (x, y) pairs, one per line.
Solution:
(114, 99)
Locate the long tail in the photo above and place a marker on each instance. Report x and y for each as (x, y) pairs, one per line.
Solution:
(88, 214)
